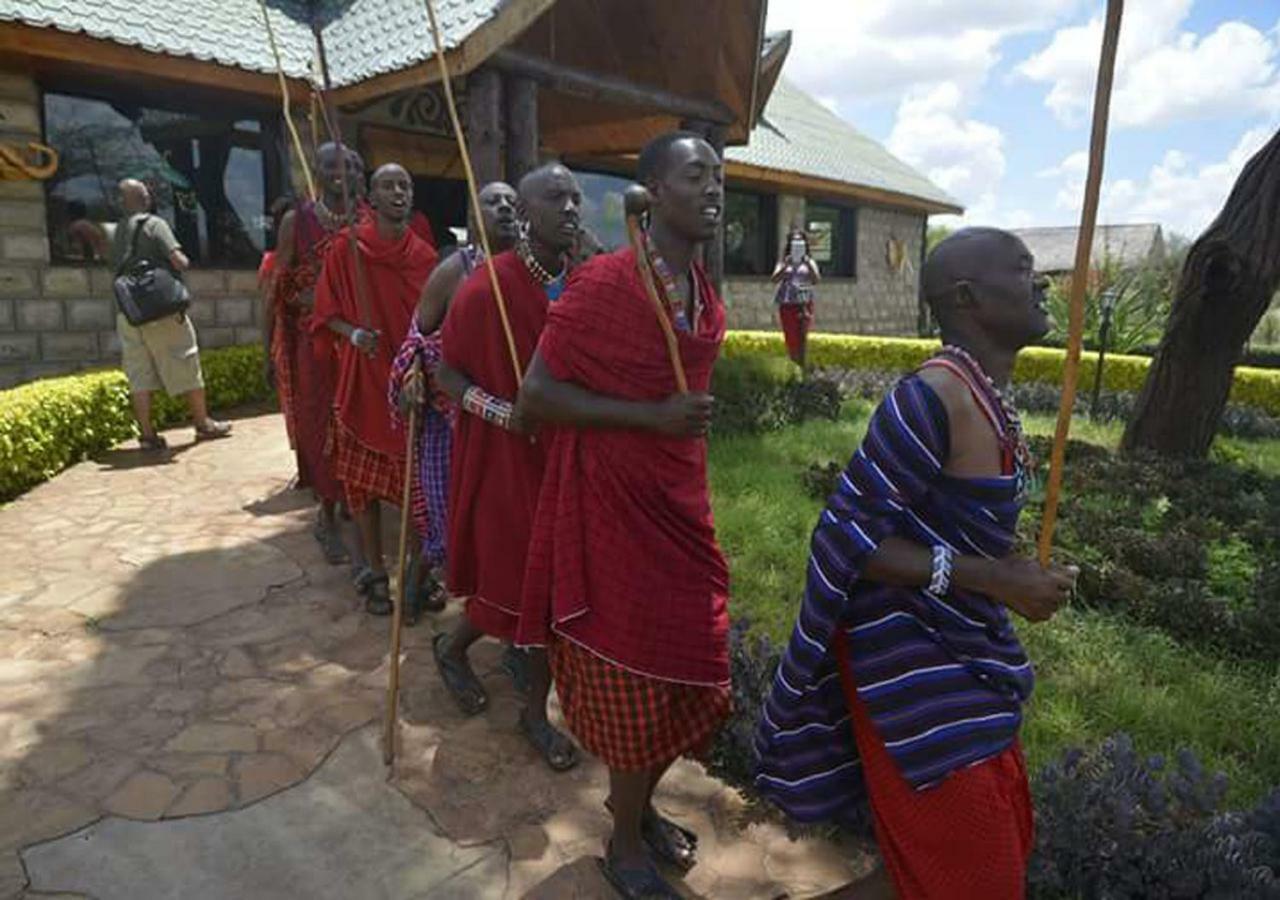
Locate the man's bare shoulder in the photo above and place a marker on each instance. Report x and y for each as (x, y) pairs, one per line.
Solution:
(951, 390)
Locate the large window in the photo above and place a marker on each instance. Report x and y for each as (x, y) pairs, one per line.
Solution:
(750, 229)
(833, 239)
(206, 172)
(602, 210)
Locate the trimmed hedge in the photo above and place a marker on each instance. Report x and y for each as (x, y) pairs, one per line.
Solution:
(1258, 388)
(49, 425)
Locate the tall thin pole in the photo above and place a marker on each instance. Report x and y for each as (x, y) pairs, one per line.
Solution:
(1084, 249)
(473, 191)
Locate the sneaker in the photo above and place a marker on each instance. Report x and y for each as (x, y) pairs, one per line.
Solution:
(212, 430)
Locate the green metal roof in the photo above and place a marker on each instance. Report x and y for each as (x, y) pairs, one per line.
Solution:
(798, 134)
(363, 38)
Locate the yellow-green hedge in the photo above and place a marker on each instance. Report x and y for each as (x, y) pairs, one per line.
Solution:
(48, 425)
(1258, 388)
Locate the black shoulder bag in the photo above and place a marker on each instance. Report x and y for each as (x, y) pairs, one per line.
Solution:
(147, 290)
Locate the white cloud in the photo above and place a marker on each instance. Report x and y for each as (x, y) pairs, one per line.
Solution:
(1163, 73)
(877, 49)
(963, 156)
(1177, 192)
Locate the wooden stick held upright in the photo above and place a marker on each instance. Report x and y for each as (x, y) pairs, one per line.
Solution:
(1084, 248)
(635, 201)
(331, 122)
(285, 106)
(473, 191)
(402, 588)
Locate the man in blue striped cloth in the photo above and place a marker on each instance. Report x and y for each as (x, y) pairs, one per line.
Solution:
(904, 680)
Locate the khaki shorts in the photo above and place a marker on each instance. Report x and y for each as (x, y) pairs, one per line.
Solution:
(160, 354)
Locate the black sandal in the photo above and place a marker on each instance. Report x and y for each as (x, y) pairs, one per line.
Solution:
(644, 883)
(557, 750)
(461, 682)
(669, 842)
(154, 442)
(377, 596)
(430, 597)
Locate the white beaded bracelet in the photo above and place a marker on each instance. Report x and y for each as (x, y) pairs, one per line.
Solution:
(944, 559)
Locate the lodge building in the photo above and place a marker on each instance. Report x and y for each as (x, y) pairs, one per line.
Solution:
(186, 95)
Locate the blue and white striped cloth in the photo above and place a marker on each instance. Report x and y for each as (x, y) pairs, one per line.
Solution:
(944, 679)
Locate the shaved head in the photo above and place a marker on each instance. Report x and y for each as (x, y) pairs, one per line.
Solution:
(499, 219)
(134, 196)
(388, 169)
(984, 279)
(551, 205)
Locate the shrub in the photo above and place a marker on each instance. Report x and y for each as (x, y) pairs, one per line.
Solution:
(1110, 824)
(48, 425)
(759, 393)
(1258, 388)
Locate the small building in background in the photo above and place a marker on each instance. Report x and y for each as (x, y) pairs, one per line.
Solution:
(1124, 246)
(186, 96)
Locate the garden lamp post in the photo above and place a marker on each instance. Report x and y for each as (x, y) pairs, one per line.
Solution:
(1109, 298)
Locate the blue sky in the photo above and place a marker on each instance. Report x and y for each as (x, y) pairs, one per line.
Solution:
(991, 98)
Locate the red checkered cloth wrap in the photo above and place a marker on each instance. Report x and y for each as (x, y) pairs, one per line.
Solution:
(969, 836)
(494, 474)
(395, 271)
(365, 474)
(624, 559)
(630, 722)
(306, 369)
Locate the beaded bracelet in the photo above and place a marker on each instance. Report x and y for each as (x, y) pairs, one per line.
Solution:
(944, 559)
(487, 407)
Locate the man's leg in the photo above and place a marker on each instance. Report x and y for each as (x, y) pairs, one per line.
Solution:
(205, 426)
(629, 793)
(142, 412)
(554, 746)
(377, 588)
(455, 669)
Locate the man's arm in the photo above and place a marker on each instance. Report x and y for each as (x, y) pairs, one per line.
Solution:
(160, 231)
(437, 292)
(366, 341)
(1034, 592)
(542, 398)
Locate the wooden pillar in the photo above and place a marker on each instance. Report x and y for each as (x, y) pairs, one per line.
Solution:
(713, 252)
(521, 96)
(484, 124)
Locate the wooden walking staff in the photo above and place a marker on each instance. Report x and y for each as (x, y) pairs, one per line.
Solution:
(1084, 248)
(473, 190)
(331, 123)
(402, 588)
(635, 203)
(284, 101)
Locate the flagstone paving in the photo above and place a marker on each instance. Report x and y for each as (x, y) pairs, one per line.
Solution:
(187, 706)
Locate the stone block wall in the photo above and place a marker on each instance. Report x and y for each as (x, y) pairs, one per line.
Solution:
(56, 319)
(879, 301)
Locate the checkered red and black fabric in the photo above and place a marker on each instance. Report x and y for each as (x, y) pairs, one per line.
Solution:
(633, 723)
(366, 475)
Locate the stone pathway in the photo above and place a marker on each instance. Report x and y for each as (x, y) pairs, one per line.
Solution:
(173, 650)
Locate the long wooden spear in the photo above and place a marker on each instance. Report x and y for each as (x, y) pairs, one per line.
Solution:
(285, 105)
(473, 190)
(331, 122)
(1084, 250)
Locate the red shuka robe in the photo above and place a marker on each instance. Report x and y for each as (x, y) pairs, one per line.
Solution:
(494, 474)
(394, 272)
(623, 559)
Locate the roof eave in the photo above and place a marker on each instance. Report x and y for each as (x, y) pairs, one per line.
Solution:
(810, 184)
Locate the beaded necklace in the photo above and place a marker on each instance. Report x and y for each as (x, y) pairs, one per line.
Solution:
(671, 293)
(552, 284)
(1014, 450)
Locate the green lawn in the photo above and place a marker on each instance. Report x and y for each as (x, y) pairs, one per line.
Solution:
(1098, 674)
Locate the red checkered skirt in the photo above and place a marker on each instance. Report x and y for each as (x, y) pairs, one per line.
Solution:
(366, 475)
(632, 722)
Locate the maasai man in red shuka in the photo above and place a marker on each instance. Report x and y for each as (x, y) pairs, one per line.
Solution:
(625, 582)
(429, 493)
(496, 467)
(367, 450)
(304, 371)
